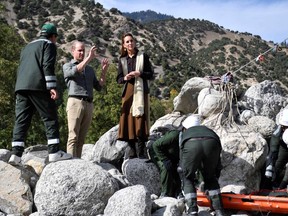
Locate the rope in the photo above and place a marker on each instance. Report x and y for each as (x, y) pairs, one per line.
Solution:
(257, 58)
(229, 94)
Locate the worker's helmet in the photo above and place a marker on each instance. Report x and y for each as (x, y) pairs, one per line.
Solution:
(192, 120)
(285, 137)
(283, 118)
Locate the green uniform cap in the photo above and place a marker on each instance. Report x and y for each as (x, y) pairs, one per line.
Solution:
(49, 28)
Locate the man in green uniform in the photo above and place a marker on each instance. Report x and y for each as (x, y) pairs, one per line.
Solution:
(278, 155)
(200, 149)
(165, 154)
(36, 91)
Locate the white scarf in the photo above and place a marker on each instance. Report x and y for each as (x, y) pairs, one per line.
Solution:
(138, 97)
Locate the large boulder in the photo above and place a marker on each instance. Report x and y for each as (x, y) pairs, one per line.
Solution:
(138, 171)
(262, 124)
(265, 99)
(171, 121)
(73, 187)
(243, 156)
(108, 149)
(211, 101)
(186, 100)
(36, 157)
(134, 200)
(15, 192)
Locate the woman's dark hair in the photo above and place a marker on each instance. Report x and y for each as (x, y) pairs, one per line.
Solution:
(123, 51)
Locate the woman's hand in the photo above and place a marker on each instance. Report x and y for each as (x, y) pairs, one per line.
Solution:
(136, 73)
(132, 74)
(129, 76)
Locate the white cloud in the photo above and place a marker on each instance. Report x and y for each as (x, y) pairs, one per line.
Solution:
(264, 18)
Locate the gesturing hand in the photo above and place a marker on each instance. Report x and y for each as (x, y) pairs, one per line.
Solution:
(92, 52)
(105, 65)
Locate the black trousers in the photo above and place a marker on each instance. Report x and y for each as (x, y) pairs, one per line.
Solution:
(201, 155)
(280, 166)
(27, 103)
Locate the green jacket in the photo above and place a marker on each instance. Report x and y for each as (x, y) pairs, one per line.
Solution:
(276, 141)
(197, 132)
(167, 147)
(37, 66)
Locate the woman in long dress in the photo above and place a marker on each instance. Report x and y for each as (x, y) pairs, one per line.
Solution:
(134, 72)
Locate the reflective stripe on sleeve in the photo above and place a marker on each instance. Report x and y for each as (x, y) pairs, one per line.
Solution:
(50, 85)
(51, 82)
(50, 78)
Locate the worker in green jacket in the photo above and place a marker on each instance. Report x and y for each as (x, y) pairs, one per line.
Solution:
(36, 90)
(200, 149)
(277, 158)
(164, 152)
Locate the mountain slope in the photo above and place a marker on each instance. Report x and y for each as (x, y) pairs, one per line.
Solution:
(178, 48)
(146, 16)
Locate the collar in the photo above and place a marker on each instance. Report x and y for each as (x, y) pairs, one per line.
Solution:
(73, 61)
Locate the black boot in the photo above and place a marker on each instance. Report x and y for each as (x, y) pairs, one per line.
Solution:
(192, 206)
(140, 149)
(217, 204)
(17, 150)
(130, 151)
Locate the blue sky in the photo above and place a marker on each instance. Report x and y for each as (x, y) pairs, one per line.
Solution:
(266, 18)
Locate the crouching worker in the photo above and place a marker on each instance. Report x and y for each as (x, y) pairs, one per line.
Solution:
(278, 154)
(164, 152)
(200, 149)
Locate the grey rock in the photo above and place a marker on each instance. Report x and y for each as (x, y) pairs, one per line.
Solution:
(73, 187)
(134, 200)
(15, 193)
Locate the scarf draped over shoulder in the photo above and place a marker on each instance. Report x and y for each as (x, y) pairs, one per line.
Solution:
(137, 108)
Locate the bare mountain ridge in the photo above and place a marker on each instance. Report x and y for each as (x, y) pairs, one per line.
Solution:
(178, 48)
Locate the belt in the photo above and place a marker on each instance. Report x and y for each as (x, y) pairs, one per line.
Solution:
(84, 98)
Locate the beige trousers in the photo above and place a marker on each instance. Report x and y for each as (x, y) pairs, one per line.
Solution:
(79, 116)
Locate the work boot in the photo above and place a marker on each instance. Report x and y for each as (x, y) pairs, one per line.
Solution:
(60, 155)
(192, 206)
(14, 160)
(220, 213)
(217, 204)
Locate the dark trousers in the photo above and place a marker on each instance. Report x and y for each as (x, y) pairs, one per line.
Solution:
(203, 155)
(170, 180)
(200, 155)
(280, 166)
(27, 103)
